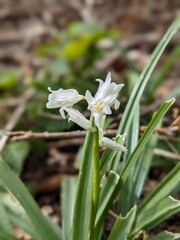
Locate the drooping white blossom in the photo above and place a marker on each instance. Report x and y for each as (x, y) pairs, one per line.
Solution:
(63, 98)
(76, 117)
(104, 99)
(107, 142)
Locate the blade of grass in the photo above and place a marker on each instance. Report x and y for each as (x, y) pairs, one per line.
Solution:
(142, 81)
(126, 191)
(108, 192)
(67, 199)
(122, 226)
(7, 236)
(23, 224)
(4, 220)
(156, 214)
(14, 184)
(144, 138)
(166, 186)
(166, 235)
(144, 77)
(163, 73)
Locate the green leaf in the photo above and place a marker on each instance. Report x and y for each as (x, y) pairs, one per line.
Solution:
(17, 215)
(156, 214)
(166, 186)
(4, 220)
(9, 78)
(122, 226)
(67, 198)
(163, 72)
(110, 188)
(7, 236)
(142, 81)
(15, 185)
(144, 138)
(131, 192)
(144, 77)
(15, 153)
(127, 190)
(82, 215)
(24, 225)
(165, 235)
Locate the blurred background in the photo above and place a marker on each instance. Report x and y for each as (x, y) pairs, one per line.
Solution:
(68, 44)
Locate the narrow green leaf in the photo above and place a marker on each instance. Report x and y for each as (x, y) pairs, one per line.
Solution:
(166, 186)
(165, 235)
(132, 191)
(4, 220)
(122, 226)
(15, 153)
(163, 72)
(144, 77)
(142, 81)
(144, 138)
(7, 236)
(67, 199)
(108, 192)
(156, 214)
(127, 190)
(142, 169)
(15, 185)
(23, 224)
(82, 215)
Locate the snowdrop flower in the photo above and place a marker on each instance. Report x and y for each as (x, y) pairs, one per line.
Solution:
(63, 98)
(76, 117)
(104, 99)
(106, 142)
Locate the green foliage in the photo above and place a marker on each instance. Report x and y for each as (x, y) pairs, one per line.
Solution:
(166, 235)
(15, 153)
(14, 184)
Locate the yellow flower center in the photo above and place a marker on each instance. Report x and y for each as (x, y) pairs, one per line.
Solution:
(98, 107)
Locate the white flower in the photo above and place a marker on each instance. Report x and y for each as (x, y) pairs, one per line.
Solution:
(104, 99)
(75, 116)
(106, 142)
(63, 98)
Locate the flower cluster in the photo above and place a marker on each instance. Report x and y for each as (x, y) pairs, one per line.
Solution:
(100, 105)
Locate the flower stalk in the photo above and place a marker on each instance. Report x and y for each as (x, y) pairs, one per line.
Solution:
(96, 175)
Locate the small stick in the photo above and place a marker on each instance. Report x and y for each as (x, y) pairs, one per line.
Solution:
(26, 135)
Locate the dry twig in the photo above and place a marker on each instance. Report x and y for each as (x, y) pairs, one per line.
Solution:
(27, 135)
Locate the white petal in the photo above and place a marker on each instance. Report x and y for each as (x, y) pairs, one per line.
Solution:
(106, 142)
(98, 117)
(103, 87)
(63, 98)
(51, 105)
(108, 78)
(89, 97)
(61, 110)
(76, 117)
(116, 104)
(107, 110)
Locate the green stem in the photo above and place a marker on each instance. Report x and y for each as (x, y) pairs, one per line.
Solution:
(96, 176)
